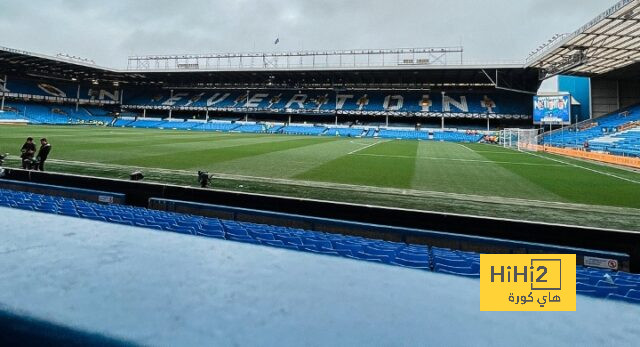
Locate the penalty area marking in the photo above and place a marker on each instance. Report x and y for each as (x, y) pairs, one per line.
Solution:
(367, 146)
(467, 148)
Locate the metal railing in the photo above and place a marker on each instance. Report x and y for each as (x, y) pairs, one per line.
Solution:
(367, 58)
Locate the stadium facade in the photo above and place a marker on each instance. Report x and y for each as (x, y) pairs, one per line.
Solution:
(412, 90)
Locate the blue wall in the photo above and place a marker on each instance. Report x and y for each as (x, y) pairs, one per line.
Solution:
(580, 89)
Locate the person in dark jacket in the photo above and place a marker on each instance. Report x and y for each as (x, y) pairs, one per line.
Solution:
(28, 150)
(43, 154)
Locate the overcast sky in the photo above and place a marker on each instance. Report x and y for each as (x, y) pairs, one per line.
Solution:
(109, 31)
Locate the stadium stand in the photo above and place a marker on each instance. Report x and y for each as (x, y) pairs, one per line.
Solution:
(302, 130)
(349, 132)
(617, 133)
(180, 124)
(124, 121)
(218, 126)
(274, 128)
(626, 143)
(156, 104)
(53, 114)
(592, 282)
(472, 104)
(97, 111)
(499, 105)
(453, 136)
(250, 128)
(299, 129)
(60, 91)
(11, 114)
(147, 123)
(403, 134)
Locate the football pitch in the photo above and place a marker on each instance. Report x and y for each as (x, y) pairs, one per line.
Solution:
(472, 179)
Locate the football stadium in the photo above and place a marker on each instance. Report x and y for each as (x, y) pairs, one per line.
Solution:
(321, 197)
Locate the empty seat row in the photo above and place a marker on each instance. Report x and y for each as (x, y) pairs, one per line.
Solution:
(604, 134)
(414, 256)
(403, 134)
(593, 282)
(54, 114)
(349, 132)
(302, 130)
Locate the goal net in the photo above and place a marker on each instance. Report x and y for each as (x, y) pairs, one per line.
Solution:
(519, 139)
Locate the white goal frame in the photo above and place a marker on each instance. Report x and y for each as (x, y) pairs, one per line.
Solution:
(520, 139)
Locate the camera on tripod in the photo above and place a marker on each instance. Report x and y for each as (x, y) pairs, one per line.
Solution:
(204, 179)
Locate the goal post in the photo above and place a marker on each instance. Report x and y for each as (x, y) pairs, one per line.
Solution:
(519, 139)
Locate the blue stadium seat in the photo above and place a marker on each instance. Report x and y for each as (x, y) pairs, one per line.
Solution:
(593, 282)
(623, 298)
(302, 130)
(617, 133)
(372, 102)
(411, 262)
(463, 270)
(54, 114)
(596, 290)
(347, 132)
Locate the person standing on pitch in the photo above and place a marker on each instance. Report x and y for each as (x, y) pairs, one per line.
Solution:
(45, 149)
(27, 152)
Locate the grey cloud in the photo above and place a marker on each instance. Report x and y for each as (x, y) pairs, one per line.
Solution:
(108, 32)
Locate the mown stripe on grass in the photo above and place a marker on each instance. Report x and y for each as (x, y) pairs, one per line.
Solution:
(207, 158)
(459, 169)
(372, 171)
(87, 148)
(290, 162)
(575, 184)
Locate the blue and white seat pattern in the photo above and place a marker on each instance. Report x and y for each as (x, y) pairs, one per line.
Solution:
(593, 282)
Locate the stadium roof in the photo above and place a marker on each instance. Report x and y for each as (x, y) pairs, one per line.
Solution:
(608, 43)
(63, 67)
(400, 70)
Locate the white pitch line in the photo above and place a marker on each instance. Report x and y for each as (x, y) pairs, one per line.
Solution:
(469, 149)
(458, 159)
(585, 168)
(368, 146)
(499, 152)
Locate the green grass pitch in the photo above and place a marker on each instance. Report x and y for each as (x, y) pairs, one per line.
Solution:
(462, 178)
